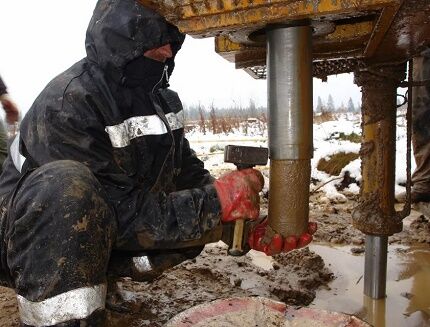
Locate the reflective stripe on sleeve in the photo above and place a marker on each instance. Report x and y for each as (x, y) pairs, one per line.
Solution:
(76, 304)
(134, 127)
(17, 158)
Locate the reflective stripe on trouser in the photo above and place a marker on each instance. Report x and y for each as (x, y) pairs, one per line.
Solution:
(59, 234)
(73, 305)
(421, 124)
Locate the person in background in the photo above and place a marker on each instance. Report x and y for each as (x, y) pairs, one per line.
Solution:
(12, 115)
(101, 173)
(420, 131)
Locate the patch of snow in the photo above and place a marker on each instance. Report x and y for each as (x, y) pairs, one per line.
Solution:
(332, 193)
(353, 188)
(326, 144)
(354, 169)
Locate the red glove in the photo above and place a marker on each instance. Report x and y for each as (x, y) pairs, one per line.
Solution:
(238, 194)
(263, 238)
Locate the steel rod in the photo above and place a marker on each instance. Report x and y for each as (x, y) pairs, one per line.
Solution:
(289, 82)
(375, 266)
(290, 114)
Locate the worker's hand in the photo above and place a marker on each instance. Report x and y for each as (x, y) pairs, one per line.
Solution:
(263, 238)
(10, 108)
(238, 194)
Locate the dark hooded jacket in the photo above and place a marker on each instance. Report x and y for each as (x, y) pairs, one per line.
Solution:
(106, 113)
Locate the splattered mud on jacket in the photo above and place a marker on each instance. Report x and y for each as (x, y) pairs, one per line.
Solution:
(131, 140)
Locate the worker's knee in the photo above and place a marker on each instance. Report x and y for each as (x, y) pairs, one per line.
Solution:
(70, 176)
(63, 193)
(63, 185)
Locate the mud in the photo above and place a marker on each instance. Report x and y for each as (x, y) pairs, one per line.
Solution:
(293, 278)
(335, 223)
(288, 214)
(8, 308)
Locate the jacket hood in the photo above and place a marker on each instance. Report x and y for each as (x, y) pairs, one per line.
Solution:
(122, 30)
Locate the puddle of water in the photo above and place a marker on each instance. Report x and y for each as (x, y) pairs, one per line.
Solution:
(408, 286)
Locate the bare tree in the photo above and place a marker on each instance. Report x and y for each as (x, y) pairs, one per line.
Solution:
(351, 107)
(330, 104)
(320, 106)
(213, 119)
(202, 121)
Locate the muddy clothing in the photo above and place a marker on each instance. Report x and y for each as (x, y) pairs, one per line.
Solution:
(421, 124)
(3, 134)
(143, 188)
(58, 211)
(3, 144)
(3, 88)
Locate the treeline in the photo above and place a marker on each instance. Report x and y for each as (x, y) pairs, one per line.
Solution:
(329, 106)
(251, 119)
(196, 112)
(248, 120)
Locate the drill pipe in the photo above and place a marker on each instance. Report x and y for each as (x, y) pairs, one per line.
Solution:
(375, 266)
(289, 82)
(375, 215)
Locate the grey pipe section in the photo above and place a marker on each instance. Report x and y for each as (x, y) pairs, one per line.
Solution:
(289, 78)
(289, 82)
(375, 266)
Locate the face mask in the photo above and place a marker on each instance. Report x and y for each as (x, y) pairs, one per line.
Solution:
(146, 73)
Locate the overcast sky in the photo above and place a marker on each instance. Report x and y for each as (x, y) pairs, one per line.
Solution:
(40, 39)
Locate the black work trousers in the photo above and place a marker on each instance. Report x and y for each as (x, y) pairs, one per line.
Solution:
(57, 234)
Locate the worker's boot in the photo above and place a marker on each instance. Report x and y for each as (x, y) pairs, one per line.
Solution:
(97, 319)
(147, 267)
(141, 268)
(416, 197)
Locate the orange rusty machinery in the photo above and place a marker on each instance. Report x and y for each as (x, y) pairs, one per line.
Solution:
(289, 42)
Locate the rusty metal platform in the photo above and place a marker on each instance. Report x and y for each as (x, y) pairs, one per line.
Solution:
(345, 31)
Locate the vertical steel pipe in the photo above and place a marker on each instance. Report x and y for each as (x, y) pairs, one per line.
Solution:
(289, 76)
(375, 266)
(375, 214)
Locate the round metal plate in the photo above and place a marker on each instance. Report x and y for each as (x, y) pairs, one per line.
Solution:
(256, 35)
(259, 312)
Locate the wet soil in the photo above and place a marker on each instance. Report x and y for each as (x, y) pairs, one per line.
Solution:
(8, 308)
(291, 278)
(294, 278)
(335, 223)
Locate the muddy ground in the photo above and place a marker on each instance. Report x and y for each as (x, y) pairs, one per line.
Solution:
(291, 278)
